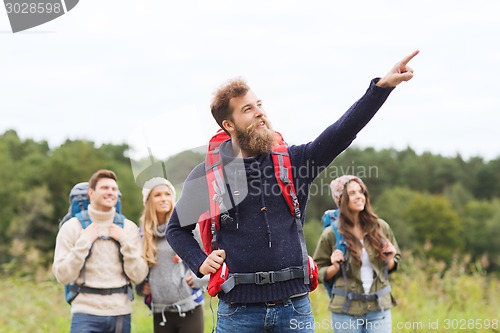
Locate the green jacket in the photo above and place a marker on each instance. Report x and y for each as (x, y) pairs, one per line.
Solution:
(324, 249)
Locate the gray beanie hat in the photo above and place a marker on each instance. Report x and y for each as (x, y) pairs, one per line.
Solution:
(151, 184)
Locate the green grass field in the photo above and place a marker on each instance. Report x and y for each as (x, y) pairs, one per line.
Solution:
(431, 299)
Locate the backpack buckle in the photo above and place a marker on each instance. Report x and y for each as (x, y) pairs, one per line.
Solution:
(106, 292)
(297, 212)
(264, 277)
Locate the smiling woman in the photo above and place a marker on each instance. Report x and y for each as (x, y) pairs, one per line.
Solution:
(172, 292)
(354, 257)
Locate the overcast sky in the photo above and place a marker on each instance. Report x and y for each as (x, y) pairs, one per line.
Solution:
(119, 71)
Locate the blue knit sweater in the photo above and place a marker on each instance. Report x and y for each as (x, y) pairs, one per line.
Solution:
(264, 240)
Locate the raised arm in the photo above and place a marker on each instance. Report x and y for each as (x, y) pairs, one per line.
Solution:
(338, 136)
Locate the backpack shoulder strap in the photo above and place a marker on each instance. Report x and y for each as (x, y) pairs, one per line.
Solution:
(85, 221)
(216, 189)
(284, 176)
(119, 220)
(84, 218)
(342, 245)
(328, 217)
(340, 242)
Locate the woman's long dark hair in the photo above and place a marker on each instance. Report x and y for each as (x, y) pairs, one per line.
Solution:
(368, 221)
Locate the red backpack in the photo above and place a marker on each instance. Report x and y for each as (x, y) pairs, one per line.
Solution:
(210, 220)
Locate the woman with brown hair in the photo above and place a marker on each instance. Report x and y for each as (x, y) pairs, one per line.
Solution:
(361, 294)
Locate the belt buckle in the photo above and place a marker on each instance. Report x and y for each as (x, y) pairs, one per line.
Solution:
(106, 291)
(264, 277)
(274, 303)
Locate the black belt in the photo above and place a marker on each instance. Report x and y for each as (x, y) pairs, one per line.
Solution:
(270, 303)
(354, 296)
(262, 277)
(100, 291)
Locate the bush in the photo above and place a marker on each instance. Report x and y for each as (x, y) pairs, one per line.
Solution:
(429, 292)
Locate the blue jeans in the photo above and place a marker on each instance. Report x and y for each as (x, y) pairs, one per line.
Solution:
(87, 323)
(371, 322)
(295, 315)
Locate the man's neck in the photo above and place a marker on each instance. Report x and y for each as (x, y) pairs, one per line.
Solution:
(101, 208)
(237, 151)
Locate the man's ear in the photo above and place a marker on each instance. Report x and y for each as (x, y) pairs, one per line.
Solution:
(90, 193)
(228, 125)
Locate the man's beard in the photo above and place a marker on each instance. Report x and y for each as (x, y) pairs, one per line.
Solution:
(256, 141)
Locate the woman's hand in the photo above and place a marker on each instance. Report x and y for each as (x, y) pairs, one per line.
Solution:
(336, 258)
(190, 280)
(146, 290)
(390, 252)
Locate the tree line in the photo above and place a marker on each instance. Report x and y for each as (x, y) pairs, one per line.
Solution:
(440, 207)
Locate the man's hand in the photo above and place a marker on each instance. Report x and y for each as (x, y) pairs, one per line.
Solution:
(213, 262)
(399, 73)
(91, 232)
(116, 232)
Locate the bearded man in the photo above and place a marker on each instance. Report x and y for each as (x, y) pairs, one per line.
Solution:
(261, 237)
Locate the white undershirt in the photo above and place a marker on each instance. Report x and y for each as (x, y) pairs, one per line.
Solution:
(366, 269)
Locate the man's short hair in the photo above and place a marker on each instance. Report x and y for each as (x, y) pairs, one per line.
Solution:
(221, 111)
(99, 175)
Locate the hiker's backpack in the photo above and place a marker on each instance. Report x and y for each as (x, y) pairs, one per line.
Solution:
(79, 202)
(331, 219)
(210, 220)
